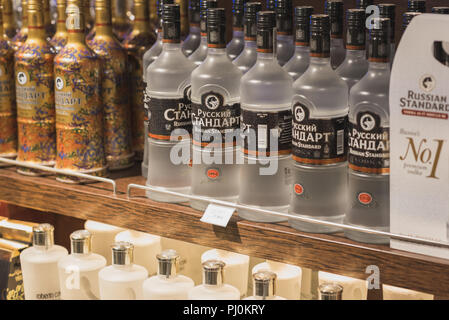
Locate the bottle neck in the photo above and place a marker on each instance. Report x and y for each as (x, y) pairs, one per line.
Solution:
(8, 21)
(216, 52)
(195, 29)
(266, 57)
(379, 66)
(76, 28)
(103, 21)
(118, 10)
(337, 42)
(355, 54)
(47, 15)
(36, 28)
(302, 49)
(60, 23)
(141, 20)
(250, 43)
(320, 62)
(284, 37)
(238, 33)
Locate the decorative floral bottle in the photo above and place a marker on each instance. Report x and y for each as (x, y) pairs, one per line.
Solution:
(59, 40)
(49, 27)
(22, 35)
(9, 26)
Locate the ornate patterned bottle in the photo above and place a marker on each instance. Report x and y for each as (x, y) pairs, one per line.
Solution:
(79, 111)
(117, 117)
(35, 94)
(120, 24)
(8, 124)
(22, 35)
(60, 38)
(49, 27)
(137, 43)
(9, 26)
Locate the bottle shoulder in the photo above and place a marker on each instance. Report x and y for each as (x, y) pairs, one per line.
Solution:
(121, 274)
(138, 239)
(52, 255)
(85, 262)
(223, 292)
(157, 282)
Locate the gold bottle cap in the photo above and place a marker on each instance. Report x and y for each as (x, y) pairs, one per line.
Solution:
(213, 272)
(43, 235)
(122, 253)
(168, 261)
(330, 291)
(81, 242)
(264, 284)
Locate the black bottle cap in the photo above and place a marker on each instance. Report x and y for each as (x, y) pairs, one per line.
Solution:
(266, 22)
(302, 22)
(356, 30)
(284, 17)
(271, 5)
(216, 28)
(388, 10)
(161, 4)
(379, 40)
(194, 12)
(363, 4)
(171, 23)
(407, 17)
(416, 6)
(440, 10)
(250, 20)
(238, 8)
(335, 10)
(205, 5)
(320, 35)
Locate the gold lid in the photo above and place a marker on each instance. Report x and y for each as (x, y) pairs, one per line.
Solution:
(213, 272)
(43, 235)
(17, 230)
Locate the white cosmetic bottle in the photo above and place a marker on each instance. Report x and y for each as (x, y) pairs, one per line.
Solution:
(213, 287)
(330, 291)
(167, 284)
(236, 269)
(103, 236)
(122, 280)
(288, 278)
(146, 246)
(78, 272)
(354, 289)
(40, 265)
(264, 286)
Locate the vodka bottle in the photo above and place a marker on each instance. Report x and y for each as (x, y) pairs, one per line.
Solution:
(148, 58)
(235, 47)
(200, 54)
(78, 272)
(320, 109)
(122, 280)
(271, 5)
(146, 246)
(167, 284)
(59, 40)
(299, 63)
(103, 236)
(334, 8)
(441, 49)
(22, 34)
(266, 95)
(248, 57)
(120, 23)
(330, 291)
(369, 145)
(193, 40)
(284, 28)
(49, 27)
(388, 10)
(169, 117)
(35, 95)
(40, 265)
(264, 287)
(355, 65)
(416, 6)
(9, 26)
(215, 118)
(213, 287)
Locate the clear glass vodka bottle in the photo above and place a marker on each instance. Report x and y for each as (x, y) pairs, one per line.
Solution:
(335, 10)
(388, 10)
(320, 109)
(264, 286)
(284, 27)
(215, 118)
(169, 113)
(266, 95)
(200, 53)
(236, 45)
(369, 147)
(248, 57)
(193, 40)
(299, 63)
(148, 58)
(355, 65)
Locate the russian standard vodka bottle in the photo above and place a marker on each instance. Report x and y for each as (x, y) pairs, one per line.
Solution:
(266, 95)
(167, 284)
(193, 40)
(388, 10)
(335, 10)
(320, 113)
(369, 142)
(78, 272)
(215, 118)
(248, 57)
(416, 6)
(169, 113)
(330, 291)
(355, 65)
(40, 265)
(213, 287)
(148, 58)
(122, 280)
(264, 286)
(60, 38)
(284, 28)
(200, 53)
(235, 47)
(299, 63)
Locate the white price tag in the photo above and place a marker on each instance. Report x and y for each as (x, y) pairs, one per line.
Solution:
(217, 215)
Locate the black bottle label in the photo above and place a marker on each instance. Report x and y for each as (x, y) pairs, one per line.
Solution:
(369, 144)
(266, 133)
(215, 123)
(167, 115)
(318, 141)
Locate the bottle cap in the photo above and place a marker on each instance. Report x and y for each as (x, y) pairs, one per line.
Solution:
(440, 10)
(43, 235)
(379, 40)
(266, 23)
(205, 5)
(363, 4)
(216, 28)
(238, 8)
(250, 20)
(264, 284)
(416, 6)
(81, 242)
(320, 36)
(194, 11)
(388, 10)
(213, 272)
(168, 262)
(284, 17)
(335, 10)
(271, 5)
(302, 21)
(160, 6)
(407, 18)
(122, 253)
(330, 291)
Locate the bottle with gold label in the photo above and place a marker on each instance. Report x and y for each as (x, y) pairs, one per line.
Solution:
(137, 43)
(9, 26)
(22, 35)
(60, 38)
(79, 110)
(35, 94)
(50, 28)
(8, 124)
(117, 120)
(120, 23)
